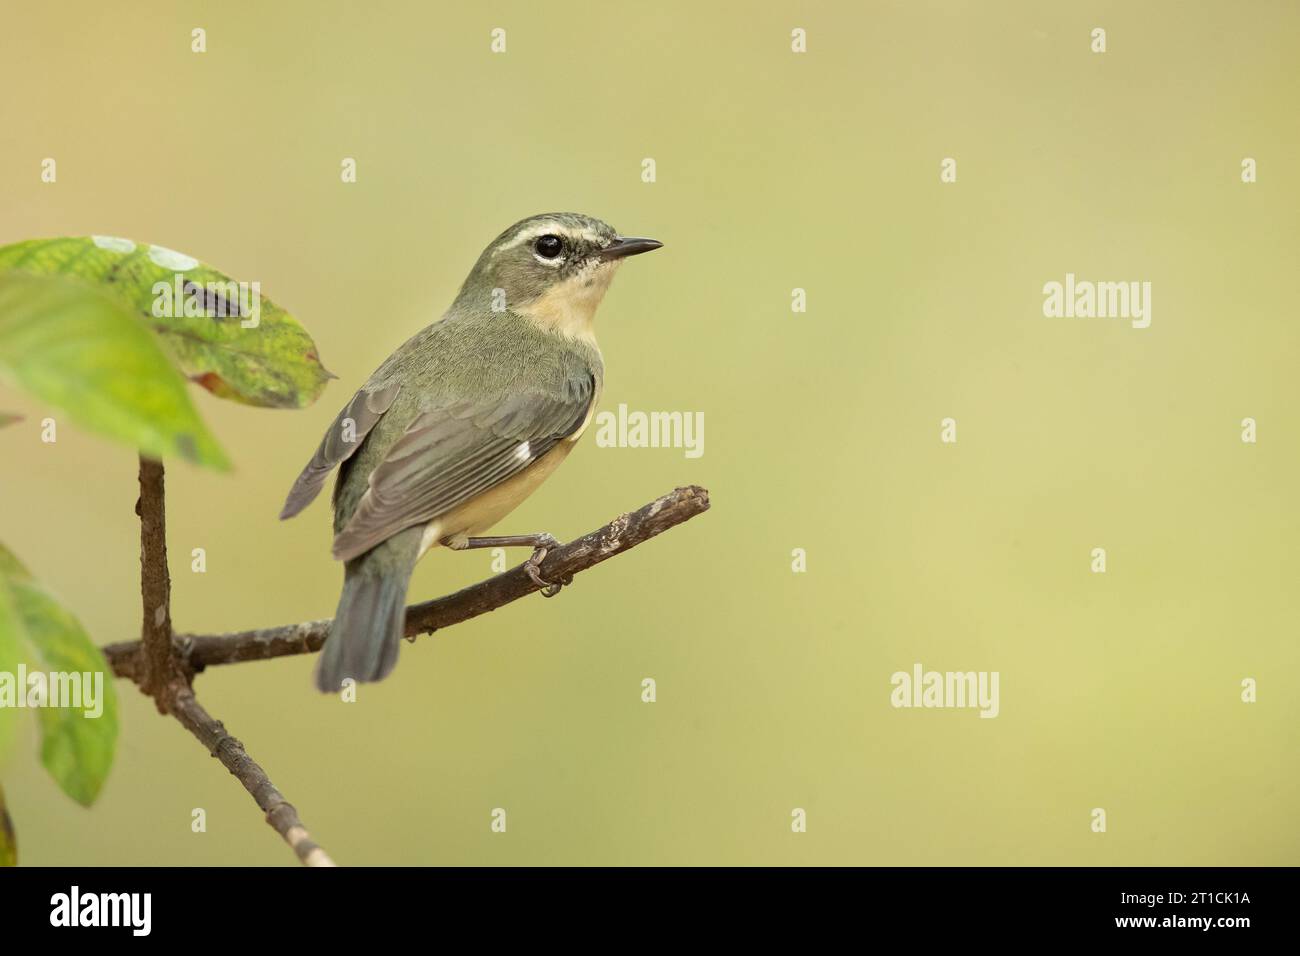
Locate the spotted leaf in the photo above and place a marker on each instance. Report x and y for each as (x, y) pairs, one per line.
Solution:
(221, 334)
(80, 351)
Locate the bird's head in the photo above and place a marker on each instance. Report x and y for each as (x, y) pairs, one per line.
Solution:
(553, 269)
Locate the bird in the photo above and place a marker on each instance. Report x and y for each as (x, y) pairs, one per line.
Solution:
(460, 424)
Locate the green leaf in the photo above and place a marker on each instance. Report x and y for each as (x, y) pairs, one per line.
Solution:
(8, 839)
(11, 567)
(77, 349)
(271, 364)
(76, 749)
(8, 418)
(11, 638)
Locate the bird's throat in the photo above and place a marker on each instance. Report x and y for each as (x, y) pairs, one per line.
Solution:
(569, 308)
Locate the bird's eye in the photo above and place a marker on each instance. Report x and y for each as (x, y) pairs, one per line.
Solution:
(548, 247)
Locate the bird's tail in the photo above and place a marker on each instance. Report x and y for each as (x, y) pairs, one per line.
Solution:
(368, 624)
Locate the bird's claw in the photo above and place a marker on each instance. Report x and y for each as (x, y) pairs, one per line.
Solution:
(534, 562)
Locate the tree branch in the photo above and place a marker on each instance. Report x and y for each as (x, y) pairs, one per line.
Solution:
(163, 664)
(161, 672)
(623, 533)
(280, 813)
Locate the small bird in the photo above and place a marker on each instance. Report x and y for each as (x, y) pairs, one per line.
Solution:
(460, 425)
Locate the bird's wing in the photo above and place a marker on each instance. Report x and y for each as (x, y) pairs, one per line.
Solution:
(454, 452)
(340, 442)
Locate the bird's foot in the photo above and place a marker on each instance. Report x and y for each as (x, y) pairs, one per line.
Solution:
(541, 543)
(549, 590)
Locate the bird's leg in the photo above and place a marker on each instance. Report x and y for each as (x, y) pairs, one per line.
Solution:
(541, 543)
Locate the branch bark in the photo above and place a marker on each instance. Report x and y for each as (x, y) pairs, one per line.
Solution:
(163, 664)
(623, 533)
(280, 813)
(162, 673)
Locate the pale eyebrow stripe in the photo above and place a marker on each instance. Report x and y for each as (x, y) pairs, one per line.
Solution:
(542, 229)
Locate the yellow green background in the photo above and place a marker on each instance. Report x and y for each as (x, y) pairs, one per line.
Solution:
(775, 171)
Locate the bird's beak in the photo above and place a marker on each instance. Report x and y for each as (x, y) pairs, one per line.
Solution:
(625, 246)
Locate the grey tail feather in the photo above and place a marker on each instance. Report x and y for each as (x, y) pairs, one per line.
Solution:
(367, 627)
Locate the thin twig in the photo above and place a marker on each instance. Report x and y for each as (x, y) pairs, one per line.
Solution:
(161, 673)
(280, 813)
(621, 534)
